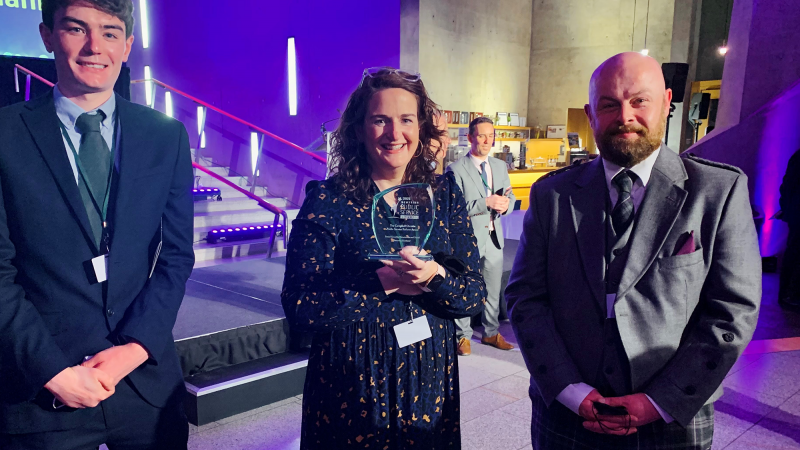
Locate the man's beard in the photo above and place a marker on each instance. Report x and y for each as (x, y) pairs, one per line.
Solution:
(628, 153)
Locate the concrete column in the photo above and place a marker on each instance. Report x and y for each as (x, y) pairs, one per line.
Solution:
(685, 31)
(474, 54)
(763, 57)
(409, 35)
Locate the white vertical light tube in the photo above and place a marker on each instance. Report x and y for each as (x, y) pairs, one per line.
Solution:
(200, 119)
(254, 149)
(168, 104)
(292, 78)
(201, 124)
(148, 86)
(145, 24)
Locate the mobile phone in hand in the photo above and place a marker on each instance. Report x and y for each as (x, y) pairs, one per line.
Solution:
(607, 410)
(504, 192)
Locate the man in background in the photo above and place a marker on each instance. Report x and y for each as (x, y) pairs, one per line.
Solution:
(487, 190)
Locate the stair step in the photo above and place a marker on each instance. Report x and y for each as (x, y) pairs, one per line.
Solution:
(235, 259)
(237, 249)
(232, 390)
(232, 218)
(224, 171)
(234, 204)
(201, 230)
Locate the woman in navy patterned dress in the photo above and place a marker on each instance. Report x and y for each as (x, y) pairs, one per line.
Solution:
(362, 390)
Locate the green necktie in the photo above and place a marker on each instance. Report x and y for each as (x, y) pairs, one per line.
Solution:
(96, 162)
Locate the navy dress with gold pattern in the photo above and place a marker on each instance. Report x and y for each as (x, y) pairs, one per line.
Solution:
(361, 390)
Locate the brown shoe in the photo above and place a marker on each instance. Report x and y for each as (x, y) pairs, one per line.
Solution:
(497, 341)
(464, 347)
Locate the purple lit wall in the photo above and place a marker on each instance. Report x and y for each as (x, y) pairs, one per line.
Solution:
(761, 146)
(758, 123)
(234, 56)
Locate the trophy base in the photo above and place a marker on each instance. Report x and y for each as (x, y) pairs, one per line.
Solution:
(396, 257)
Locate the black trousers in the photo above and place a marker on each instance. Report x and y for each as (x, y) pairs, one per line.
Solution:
(790, 269)
(124, 421)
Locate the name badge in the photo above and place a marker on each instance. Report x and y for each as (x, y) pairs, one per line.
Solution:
(100, 266)
(610, 300)
(413, 331)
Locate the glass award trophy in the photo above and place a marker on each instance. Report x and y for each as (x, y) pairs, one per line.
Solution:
(408, 223)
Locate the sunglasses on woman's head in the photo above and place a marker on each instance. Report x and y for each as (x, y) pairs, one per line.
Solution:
(375, 71)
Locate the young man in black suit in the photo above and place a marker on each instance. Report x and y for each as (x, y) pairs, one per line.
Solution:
(95, 250)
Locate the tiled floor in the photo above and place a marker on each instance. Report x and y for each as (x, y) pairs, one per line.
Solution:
(759, 410)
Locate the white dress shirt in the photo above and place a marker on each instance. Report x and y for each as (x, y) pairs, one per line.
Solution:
(477, 162)
(573, 395)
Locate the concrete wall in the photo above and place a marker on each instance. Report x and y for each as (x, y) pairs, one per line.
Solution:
(474, 54)
(570, 38)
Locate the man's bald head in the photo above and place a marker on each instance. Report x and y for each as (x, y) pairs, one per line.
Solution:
(625, 66)
(628, 106)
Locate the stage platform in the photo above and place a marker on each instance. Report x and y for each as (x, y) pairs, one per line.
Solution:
(233, 340)
(231, 295)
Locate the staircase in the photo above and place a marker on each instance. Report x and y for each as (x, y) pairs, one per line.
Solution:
(233, 210)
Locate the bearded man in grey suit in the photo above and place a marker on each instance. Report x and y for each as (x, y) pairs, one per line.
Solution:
(487, 191)
(637, 282)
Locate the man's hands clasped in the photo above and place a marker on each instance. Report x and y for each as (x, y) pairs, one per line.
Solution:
(640, 412)
(88, 384)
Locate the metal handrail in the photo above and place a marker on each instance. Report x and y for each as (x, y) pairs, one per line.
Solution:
(231, 116)
(45, 81)
(278, 212)
(29, 74)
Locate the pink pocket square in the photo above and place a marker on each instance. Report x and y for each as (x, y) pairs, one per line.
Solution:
(688, 245)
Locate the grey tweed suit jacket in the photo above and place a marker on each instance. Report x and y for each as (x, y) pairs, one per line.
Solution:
(684, 319)
(469, 180)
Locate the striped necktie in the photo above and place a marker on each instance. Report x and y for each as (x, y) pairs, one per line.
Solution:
(485, 180)
(622, 214)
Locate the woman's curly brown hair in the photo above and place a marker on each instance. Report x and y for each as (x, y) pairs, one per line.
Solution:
(348, 157)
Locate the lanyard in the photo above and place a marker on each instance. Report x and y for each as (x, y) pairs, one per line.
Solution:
(101, 209)
(482, 173)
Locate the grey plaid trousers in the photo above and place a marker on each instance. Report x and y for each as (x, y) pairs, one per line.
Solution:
(558, 428)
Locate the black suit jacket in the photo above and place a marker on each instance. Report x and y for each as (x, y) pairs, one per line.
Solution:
(790, 192)
(51, 316)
